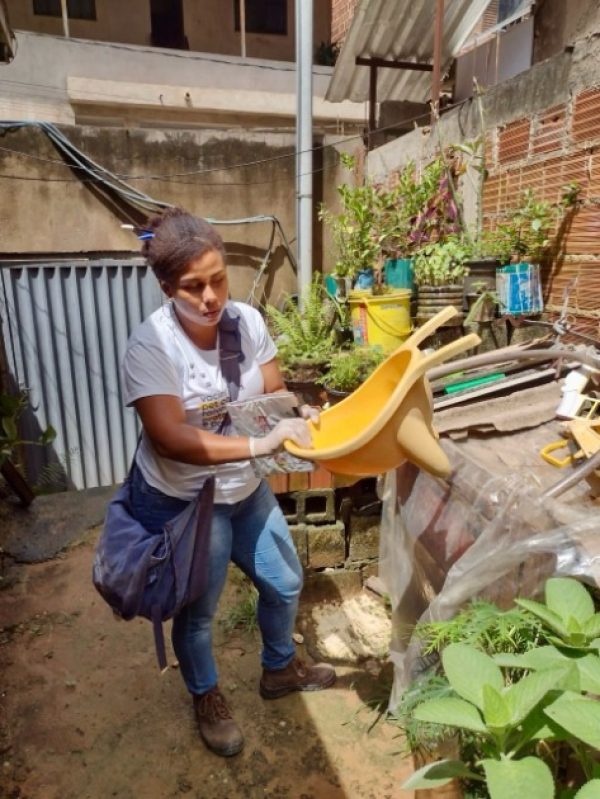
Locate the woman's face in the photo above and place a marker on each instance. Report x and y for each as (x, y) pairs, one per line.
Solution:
(202, 290)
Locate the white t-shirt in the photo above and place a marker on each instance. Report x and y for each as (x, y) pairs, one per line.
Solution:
(161, 359)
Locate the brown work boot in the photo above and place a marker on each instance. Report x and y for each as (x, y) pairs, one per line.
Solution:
(218, 729)
(297, 676)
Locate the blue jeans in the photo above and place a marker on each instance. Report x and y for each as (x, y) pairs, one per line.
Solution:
(254, 535)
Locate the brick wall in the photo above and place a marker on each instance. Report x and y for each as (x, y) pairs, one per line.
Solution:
(342, 12)
(545, 151)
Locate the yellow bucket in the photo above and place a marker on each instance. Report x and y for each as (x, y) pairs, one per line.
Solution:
(380, 320)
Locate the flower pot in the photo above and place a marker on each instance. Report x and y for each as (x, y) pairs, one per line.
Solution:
(432, 299)
(365, 278)
(445, 749)
(483, 271)
(397, 272)
(334, 395)
(343, 286)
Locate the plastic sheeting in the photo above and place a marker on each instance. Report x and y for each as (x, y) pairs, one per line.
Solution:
(477, 534)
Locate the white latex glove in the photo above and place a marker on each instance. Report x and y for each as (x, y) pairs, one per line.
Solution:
(310, 413)
(294, 429)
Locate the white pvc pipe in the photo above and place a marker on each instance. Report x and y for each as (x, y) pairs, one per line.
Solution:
(304, 143)
(243, 26)
(65, 18)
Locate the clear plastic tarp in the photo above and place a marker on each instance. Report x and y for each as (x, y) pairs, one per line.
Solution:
(477, 534)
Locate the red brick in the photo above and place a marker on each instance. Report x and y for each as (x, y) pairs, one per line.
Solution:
(549, 132)
(586, 116)
(513, 141)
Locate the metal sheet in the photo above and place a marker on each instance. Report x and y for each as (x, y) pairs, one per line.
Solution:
(65, 326)
(402, 30)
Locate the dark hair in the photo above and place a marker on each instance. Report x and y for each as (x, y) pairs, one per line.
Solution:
(179, 238)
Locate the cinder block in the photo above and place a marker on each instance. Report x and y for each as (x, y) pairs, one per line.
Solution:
(326, 545)
(300, 539)
(363, 537)
(308, 507)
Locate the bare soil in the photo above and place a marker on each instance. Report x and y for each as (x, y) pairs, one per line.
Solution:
(86, 714)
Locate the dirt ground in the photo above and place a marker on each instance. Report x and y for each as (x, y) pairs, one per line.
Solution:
(85, 713)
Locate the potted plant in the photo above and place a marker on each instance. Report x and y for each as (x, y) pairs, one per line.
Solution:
(305, 339)
(439, 269)
(348, 369)
(354, 234)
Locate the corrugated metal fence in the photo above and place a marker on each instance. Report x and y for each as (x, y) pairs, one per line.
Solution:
(65, 324)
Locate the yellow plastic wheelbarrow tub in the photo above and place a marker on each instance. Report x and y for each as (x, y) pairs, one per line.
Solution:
(389, 419)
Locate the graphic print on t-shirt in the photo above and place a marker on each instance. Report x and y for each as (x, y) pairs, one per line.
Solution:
(212, 410)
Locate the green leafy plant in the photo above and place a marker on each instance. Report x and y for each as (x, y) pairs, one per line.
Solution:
(516, 721)
(348, 369)
(305, 336)
(525, 233)
(353, 229)
(483, 625)
(441, 263)
(11, 409)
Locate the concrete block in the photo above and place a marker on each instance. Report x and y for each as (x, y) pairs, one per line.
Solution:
(311, 506)
(330, 585)
(326, 545)
(300, 539)
(363, 537)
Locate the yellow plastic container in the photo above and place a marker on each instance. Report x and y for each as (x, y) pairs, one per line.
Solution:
(389, 418)
(380, 320)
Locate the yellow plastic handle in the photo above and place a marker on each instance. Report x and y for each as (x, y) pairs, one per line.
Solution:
(562, 443)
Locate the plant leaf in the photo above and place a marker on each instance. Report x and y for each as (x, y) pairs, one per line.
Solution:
(578, 716)
(468, 670)
(451, 712)
(528, 777)
(542, 657)
(568, 597)
(552, 619)
(592, 626)
(48, 435)
(433, 775)
(496, 710)
(524, 695)
(591, 790)
(10, 428)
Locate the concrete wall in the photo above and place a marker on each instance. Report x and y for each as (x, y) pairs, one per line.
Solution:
(52, 211)
(542, 131)
(209, 26)
(558, 24)
(74, 80)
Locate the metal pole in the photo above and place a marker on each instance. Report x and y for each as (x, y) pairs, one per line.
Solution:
(304, 156)
(437, 60)
(65, 18)
(372, 105)
(243, 26)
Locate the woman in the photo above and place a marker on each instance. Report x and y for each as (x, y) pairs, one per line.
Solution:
(172, 377)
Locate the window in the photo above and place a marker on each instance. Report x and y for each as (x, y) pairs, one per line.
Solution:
(263, 16)
(77, 9)
(507, 8)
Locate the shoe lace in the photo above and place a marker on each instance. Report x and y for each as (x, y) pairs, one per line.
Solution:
(212, 706)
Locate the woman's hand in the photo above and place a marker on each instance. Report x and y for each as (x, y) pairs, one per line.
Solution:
(310, 413)
(295, 430)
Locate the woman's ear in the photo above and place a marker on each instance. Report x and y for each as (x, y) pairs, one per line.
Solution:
(166, 288)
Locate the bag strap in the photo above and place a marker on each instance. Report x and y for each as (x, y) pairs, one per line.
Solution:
(231, 355)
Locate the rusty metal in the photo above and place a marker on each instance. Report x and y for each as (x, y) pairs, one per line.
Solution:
(438, 35)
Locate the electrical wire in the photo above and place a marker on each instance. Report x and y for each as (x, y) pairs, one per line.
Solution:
(8, 125)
